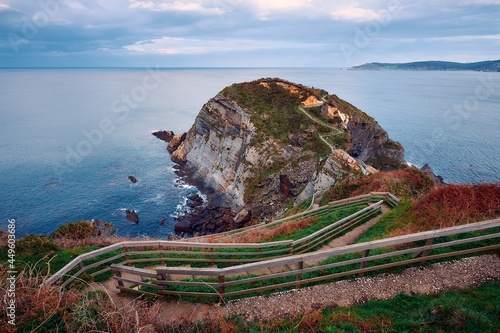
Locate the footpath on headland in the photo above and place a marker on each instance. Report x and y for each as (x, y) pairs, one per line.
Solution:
(467, 272)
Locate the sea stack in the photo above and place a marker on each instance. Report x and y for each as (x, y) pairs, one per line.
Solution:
(258, 146)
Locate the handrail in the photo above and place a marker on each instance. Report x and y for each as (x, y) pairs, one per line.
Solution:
(333, 204)
(396, 251)
(284, 247)
(333, 225)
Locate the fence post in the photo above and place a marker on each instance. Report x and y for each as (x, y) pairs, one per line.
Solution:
(127, 257)
(81, 265)
(222, 288)
(300, 267)
(363, 263)
(426, 252)
(162, 277)
(428, 243)
(160, 248)
(118, 274)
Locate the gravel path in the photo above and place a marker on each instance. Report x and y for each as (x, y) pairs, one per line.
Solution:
(462, 273)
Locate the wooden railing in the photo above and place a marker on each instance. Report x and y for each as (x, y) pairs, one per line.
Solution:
(372, 197)
(333, 230)
(180, 253)
(306, 269)
(176, 253)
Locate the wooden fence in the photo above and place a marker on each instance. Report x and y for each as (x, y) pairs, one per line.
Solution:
(367, 199)
(297, 271)
(180, 253)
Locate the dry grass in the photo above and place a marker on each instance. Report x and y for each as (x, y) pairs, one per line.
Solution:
(409, 182)
(266, 234)
(452, 205)
(50, 309)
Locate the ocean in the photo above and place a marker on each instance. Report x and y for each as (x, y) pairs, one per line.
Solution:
(69, 138)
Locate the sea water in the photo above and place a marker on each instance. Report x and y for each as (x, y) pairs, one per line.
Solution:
(69, 138)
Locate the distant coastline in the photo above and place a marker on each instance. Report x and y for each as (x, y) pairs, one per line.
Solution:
(482, 66)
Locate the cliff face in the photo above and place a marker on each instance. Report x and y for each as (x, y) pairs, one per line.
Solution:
(216, 147)
(258, 146)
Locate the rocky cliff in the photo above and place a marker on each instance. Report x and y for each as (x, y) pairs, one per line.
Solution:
(258, 147)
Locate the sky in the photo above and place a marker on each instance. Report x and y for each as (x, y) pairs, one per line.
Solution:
(245, 33)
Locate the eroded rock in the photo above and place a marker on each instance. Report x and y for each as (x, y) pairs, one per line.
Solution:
(132, 216)
(166, 136)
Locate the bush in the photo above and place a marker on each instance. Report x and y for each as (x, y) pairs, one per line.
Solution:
(404, 183)
(84, 229)
(451, 205)
(36, 244)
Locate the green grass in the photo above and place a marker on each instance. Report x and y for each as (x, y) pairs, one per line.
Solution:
(387, 223)
(467, 310)
(319, 224)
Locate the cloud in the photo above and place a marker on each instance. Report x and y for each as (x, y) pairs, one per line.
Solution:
(280, 5)
(300, 31)
(5, 7)
(480, 2)
(355, 14)
(190, 46)
(175, 6)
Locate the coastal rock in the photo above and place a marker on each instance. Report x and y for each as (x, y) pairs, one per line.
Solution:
(176, 142)
(205, 221)
(182, 227)
(132, 179)
(438, 180)
(194, 201)
(252, 150)
(243, 217)
(311, 101)
(286, 186)
(132, 216)
(371, 144)
(166, 136)
(179, 155)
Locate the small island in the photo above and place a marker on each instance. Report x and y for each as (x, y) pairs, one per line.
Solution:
(482, 66)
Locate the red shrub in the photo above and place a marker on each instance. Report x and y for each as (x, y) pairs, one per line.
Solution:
(409, 182)
(452, 205)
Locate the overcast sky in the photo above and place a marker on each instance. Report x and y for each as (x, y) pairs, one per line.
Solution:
(245, 33)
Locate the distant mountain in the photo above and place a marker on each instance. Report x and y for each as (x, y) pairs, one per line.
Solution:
(482, 66)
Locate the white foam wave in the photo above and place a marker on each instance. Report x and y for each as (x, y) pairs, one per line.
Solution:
(158, 199)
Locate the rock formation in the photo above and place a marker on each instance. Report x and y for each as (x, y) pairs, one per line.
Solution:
(176, 141)
(166, 136)
(258, 146)
(436, 178)
(132, 216)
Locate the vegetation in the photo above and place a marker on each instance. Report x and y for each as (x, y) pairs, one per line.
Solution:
(451, 205)
(293, 230)
(273, 107)
(403, 183)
